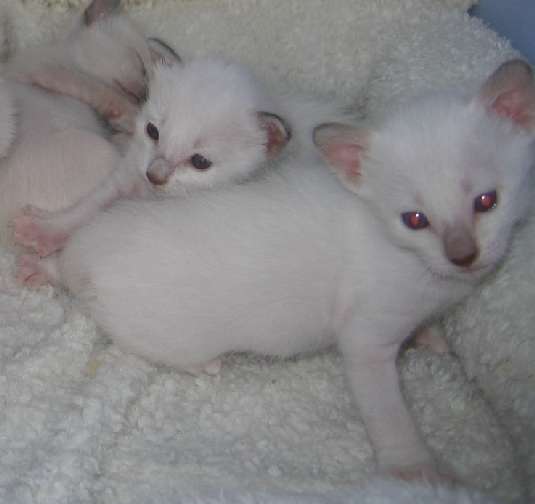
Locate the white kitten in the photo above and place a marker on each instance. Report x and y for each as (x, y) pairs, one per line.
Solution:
(104, 49)
(61, 147)
(205, 124)
(295, 261)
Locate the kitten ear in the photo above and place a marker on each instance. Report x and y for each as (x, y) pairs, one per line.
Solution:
(510, 93)
(343, 147)
(99, 9)
(161, 52)
(278, 133)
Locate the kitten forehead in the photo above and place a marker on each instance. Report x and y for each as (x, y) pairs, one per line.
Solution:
(204, 91)
(445, 141)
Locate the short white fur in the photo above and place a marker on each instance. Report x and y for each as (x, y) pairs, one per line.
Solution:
(206, 107)
(295, 262)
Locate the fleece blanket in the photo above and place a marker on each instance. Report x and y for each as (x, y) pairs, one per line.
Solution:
(83, 422)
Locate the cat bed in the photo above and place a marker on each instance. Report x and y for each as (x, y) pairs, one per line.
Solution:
(83, 422)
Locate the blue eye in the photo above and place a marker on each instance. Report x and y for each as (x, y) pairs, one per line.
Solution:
(200, 162)
(152, 131)
(415, 220)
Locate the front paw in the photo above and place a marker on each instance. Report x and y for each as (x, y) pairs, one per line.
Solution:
(121, 117)
(33, 229)
(29, 271)
(433, 338)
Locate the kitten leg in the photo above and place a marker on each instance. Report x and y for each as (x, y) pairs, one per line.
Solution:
(373, 378)
(47, 232)
(32, 271)
(112, 104)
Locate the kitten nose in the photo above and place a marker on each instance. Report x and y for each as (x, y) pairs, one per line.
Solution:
(465, 260)
(460, 246)
(159, 172)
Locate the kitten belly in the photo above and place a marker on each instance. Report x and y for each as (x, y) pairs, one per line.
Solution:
(202, 328)
(191, 315)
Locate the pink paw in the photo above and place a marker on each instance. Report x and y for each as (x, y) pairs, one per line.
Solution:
(31, 229)
(211, 368)
(433, 338)
(29, 271)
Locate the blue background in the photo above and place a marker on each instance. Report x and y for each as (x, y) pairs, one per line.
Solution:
(514, 19)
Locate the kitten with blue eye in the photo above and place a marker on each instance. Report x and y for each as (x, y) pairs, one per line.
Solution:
(206, 123)
(411, 217)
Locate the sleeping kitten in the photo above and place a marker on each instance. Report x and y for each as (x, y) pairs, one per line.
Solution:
(206, 123)
(53, 149)
(105, 50)
(416, 214)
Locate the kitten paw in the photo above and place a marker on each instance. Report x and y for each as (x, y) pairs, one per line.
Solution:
(433, 338)
(32, 230)
(121, 118)
(213, 367)
(29, 271)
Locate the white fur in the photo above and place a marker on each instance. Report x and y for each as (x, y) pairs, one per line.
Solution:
(209, 107)
(61, 148)
(442, 177)
(295, 262)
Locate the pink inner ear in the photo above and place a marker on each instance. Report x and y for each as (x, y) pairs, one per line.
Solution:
(346, 157)
(276, 139)
(513, 105)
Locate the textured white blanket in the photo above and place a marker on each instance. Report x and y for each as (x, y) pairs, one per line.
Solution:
(83, 422)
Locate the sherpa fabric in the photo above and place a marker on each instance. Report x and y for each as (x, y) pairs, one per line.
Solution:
(67, 4)
(494, 334)
(83, 422)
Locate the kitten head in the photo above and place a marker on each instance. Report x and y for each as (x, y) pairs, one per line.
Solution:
(447, 176)
(109, 45)
(205, 123)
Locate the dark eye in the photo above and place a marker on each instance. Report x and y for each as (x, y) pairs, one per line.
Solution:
(485, 202)
(152, 131)
(415, 220)
(200, 162)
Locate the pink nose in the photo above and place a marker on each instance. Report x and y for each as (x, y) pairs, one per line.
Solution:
(460, 246)
(159, 172)
(464, 261)
(156, 178)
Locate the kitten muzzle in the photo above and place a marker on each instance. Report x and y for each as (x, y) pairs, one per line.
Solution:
(460, 246)
(160, 171)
